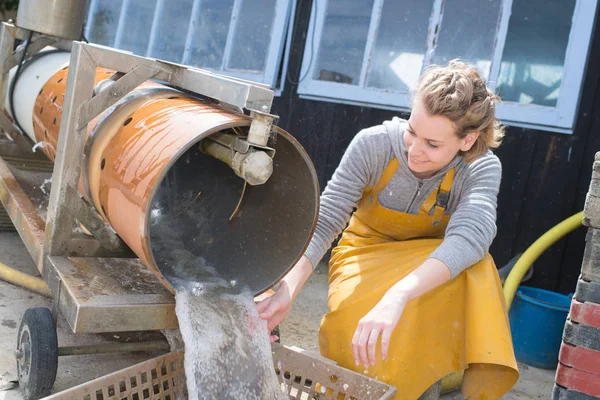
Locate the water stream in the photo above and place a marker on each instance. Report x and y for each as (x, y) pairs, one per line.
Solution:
(227, 347)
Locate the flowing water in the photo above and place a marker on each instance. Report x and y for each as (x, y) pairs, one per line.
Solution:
(227, 347)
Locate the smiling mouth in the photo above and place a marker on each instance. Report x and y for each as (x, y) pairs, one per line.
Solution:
(417, 161)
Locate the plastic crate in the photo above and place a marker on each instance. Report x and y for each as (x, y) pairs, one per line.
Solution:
(301, 375)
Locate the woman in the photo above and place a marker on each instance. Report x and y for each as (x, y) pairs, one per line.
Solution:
(413, 293)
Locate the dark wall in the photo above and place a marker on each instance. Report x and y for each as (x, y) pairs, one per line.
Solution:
(545, 175)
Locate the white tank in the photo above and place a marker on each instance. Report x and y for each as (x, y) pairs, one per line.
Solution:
(32, 78)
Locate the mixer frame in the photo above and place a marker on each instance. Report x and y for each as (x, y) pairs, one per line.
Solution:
(81, 270)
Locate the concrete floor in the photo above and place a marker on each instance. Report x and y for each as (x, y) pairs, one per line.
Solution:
(300, 330)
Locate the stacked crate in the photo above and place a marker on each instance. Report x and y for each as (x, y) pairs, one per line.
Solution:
(578, 372)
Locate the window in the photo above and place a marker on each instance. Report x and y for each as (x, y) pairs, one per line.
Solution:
(240, 38)
(372, 52)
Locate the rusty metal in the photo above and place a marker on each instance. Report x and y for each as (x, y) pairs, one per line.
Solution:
(157, 345)
(301, 376)
(60, 18)
(110, 295)
(6, 224)
(7, 43)
(12, 132)
(24, 159)
(22, 213)
(94, 223)
(262, 125)
(121, 87)
(250, 162)
(38, 43)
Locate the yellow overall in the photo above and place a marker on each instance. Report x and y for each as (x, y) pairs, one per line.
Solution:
(460, 325)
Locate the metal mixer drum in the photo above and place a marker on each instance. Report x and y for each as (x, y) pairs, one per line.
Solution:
(192, 235)
(171, 203)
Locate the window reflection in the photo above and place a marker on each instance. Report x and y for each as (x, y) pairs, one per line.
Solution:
(251, 41)
(209, 34)
(171, 31)
(400, 45)
(103, 23)
(343, 41)
(134, 30)
(534, 53)
(468, 31)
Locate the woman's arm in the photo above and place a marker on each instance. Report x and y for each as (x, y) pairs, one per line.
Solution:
(384, 317)
(362, 163)
(275, 308)
(472, 226)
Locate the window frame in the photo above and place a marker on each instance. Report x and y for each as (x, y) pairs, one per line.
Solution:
(279, 31)
(560, 118)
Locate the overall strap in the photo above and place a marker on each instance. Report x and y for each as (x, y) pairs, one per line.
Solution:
(438, 200)
(387, 174)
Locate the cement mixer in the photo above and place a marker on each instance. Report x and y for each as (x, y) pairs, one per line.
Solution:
(167, 171)
(161, 175)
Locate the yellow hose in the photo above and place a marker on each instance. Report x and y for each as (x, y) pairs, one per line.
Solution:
(534, 251)
(26, 281)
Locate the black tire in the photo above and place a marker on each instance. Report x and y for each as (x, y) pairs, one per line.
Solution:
(37, 345)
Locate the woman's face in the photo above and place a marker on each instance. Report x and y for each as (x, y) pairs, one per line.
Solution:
(431, 142)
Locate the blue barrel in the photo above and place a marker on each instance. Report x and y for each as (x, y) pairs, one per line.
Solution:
(537, 320)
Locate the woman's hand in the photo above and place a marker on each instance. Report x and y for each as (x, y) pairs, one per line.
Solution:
(274, 309)
(384, 317)
(381, 320)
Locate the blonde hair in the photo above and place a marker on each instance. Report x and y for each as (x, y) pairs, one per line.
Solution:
(458, 93)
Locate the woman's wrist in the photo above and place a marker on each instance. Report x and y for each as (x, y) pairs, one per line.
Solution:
(298, 276)
(400, 293)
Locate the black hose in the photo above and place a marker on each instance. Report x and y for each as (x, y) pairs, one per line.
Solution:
(11, 90)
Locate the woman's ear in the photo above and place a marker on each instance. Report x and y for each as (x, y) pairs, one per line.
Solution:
(469, 140)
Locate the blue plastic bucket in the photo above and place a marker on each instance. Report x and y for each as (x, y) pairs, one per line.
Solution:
(537, 320)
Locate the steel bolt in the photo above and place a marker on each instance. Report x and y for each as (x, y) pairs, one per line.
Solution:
(265, 108)
(19, 354)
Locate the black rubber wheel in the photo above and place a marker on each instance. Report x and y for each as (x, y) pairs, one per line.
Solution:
(37, 353)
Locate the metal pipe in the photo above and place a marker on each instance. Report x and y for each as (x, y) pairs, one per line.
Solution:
(113, 348)
(253, 165)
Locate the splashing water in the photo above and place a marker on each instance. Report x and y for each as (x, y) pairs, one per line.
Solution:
(227, 348)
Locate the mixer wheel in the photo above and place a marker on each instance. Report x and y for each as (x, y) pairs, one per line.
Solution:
(37, 353)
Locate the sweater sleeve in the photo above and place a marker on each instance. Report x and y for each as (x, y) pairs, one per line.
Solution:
(472, 226)
(342, 193)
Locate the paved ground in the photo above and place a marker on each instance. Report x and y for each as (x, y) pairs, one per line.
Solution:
(299, 330)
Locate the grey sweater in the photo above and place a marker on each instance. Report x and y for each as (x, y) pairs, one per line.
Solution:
(472, 203)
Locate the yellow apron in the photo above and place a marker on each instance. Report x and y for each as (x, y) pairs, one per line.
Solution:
(460, 325)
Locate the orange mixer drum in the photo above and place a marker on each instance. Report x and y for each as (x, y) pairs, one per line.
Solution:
(181, 211)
